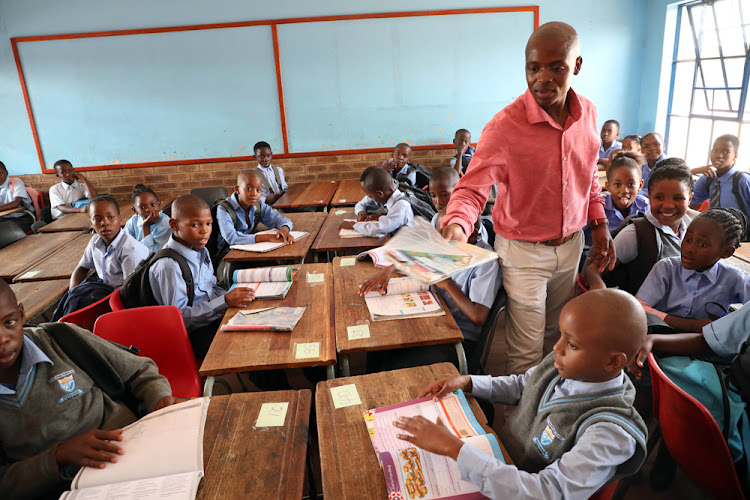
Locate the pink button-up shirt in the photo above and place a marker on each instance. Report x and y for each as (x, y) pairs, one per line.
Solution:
(546, 175)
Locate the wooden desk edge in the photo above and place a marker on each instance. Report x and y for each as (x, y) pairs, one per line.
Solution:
(44, 257)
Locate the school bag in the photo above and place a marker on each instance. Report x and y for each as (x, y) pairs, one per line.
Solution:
(88, 292)
(739, 372)
(419, 199)
(423, 175)
(213, 240)
(630, 276)
(736, 191)
(136, 290)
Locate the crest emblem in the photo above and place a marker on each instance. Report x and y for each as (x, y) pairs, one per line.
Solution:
(547, 436)
(67, 383)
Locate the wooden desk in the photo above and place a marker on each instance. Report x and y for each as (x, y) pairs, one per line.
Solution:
(37, 296)
(743, 253)
(602, 178)
(328, 239)
(312, 194)
(60, 264)
(739, 263)
(3, 213)
(351, 310)
(68, 222)
(349, 466)
(303, 221)
(18, 256)
(234, 352)
(243, 462)
(348, 193)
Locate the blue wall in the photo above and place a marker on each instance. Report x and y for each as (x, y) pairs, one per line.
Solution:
(615, 44)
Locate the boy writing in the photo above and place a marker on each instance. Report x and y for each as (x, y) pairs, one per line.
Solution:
(274, 184)
(609, 133)
(13, 194)
(380, 191)
(575, 428)
(72, 194)
(464, 150)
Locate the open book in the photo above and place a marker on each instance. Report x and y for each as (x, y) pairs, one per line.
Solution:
(377, 255)
(267, 246)
(270, 319)
(266, 282)
(414, 473)
(349, 233)
(163, 458)
(423, 254)
(405, 298)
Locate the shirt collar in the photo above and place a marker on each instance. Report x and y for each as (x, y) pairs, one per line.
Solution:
(535, 113)
(666, 229)
(712, 273)
(99, 241)
(31, 355)
(728, 175)
(190, 254)
(265, 168)
(568, 387)
(397, 194)
(5, 184)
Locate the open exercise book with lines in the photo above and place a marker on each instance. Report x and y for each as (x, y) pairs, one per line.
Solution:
(267, 246)
(266, 282)
(414, 473)
(405, 299)
(162, 458)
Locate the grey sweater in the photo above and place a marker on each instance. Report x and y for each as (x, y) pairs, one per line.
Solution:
(58, 401)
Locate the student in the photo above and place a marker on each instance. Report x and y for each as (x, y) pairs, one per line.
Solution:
(652, 146)
(274, 184)
(112, 252)
(398, 164)
(464, 150)
(442, 182)
(574, 429)
(191, 225)
(380, 192)
(610, 131)
(723, 183)
(622, 200)
(72, 194)
(56, 418)
(632, 143)
(246, 202)
(670, 189)
(13, 194)
(686, 290)
(148, 224)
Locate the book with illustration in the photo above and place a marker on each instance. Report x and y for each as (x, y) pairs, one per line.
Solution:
(266, 282)
(405, 299)
(269, 319)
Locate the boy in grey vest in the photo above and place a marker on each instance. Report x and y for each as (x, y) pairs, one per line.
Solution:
(575, 429)
(274, 184)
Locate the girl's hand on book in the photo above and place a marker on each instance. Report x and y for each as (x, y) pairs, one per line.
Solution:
(445, 386)
(435, 438)
(239, 297)
(90, 449)
(284, 235)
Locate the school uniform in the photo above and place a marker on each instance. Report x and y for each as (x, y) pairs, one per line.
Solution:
(567, 438)
(160, 232)
(117, 261)
(65, 194)
(726, 335)
(398, 213)
(465, 158)
(412, 177)
(604, 153)
(272, 185)
(24, 218)
(241, 234)
(481, 234)
(626, 242)
(614, 216)
(674, 290)
(646, 173)
(705, 186)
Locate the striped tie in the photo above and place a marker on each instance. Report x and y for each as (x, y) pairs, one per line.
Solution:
(715, 195)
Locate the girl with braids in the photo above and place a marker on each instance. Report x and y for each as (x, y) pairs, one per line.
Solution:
(148, 224)
(686, 291)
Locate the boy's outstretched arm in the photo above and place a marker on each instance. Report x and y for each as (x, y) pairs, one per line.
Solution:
(476, 313)
(686, 344)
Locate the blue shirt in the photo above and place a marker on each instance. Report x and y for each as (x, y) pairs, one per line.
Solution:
(30, 355)
(727, 199)
(170, 289)
(579, 473)
(604, 153)
(412, 177)
(398, 213)
(646, 173)
(672, 289)
(270, 176)
(241, 235)
(8, 195)
(117, 261)
(481, 235)
(726, 335)
(614, 216)
(160, 232)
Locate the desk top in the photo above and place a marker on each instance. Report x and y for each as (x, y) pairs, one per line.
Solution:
(351, 310)
(738, 262)
(241, 461)
(68, 222)
(328, 239)
(743, 252)
(311, 194)
(348, 193)
(60, 264)
(348, 462)
(232, 352)
(3, 213)
(303, 221)
(18, 256)
(36, 296)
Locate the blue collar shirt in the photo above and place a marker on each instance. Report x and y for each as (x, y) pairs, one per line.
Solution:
(30, 355)
(398, 213)
(159, 232)
(646, 173)
(614, 216)
(604, 153)
(727, 199)
(242, 233)
(115, 262)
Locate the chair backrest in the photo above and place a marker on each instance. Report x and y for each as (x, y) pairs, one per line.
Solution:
(478, 359)
(37, 200)
(693, 437)
(86, 317)
(10, 232)
(159, 332)
(115, 301)
(210, 194)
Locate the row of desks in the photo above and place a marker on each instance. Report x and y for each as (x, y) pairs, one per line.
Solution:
(321, 194)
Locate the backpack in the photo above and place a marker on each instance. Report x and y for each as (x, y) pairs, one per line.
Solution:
(739, 372)
(136, 290)
(736, 191)
(419, 199)
(423, 175)
(213, 240)
(89, 291)
(630, 276)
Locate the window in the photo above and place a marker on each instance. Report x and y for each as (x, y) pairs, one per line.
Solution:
(708, 96)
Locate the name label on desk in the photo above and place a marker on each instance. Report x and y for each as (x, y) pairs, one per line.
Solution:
(28, 275)
(358, 332)
(308, 350)
(272, 415)
(339, 212)
(345, 395)
(315, 277)
(347, 261)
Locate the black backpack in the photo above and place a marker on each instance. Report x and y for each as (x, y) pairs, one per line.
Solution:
(419, 199)
(423, 175)
(213, 240)
(739, 372)
(136, 290)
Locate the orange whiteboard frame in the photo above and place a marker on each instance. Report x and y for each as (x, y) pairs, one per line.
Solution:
(279, 81)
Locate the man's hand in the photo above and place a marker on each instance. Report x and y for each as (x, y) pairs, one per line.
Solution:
(347, 224)
(283, 235)
(602, 253)
(239, 297)
(435, 438)
(271, 198)
(454, 232)
(445, 386)
(90, 449)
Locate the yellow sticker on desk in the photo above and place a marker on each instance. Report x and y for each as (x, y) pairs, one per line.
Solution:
(28, 275)
(315, 277)
(358, 332)
(345, 395)
(272, 415)
(307, 350)
(339, 212)
(347, 261)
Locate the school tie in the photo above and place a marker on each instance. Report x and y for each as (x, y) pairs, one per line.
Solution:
(715, 195)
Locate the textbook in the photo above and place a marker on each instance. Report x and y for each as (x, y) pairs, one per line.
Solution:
(266, 282)
(405, 298)
(269, 319)
(377, 255)
(350, 233)
(267, 246)
(413, 473)
(420, 252)
(162, 458)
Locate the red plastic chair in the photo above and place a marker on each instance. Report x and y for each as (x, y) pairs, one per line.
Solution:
(693, 437)
(159, 332)
(86, 317)
(605, 493)
(115, 301)
(37, 200)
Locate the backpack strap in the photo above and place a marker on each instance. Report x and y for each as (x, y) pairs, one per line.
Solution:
(648, 253)
(265, 182)
(724, 401)
(187, 274)
(736, 191)
(277, 175)
(256, 218)
(230, 209)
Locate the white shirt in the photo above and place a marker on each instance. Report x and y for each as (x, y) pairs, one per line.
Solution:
(398, 213)
(626, 242)
(117, 261)
(270, 175)
(19, 191)
(65, 194)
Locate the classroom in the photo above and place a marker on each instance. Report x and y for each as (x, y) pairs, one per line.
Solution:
(284, 234)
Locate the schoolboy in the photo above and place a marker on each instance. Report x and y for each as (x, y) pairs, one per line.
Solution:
(55, 417)
(71, 195)
(398, 164)
(274, 184)
(245, 202)
(575, 428)
(632, 143)
(464, 150)
(652, 146)
(191, 226)
(13, 194)
(718, 186)
(610, 131)
(380, 191)
(442, 183)
(111, 251)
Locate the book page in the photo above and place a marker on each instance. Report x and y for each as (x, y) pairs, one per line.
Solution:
(377, 255)
(397, 286)
(349, 233)
(405, 304)
(267, 246)
(175, 487)
(272, 289)
(282, 319)
(285, 273)
(166, 442)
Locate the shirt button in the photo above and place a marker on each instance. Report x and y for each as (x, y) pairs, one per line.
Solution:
(566, 207)
(565, 158)
(565, 183)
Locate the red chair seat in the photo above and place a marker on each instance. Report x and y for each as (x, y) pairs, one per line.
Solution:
(86, 317)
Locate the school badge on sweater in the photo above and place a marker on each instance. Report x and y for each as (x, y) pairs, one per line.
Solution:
(67, 383)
